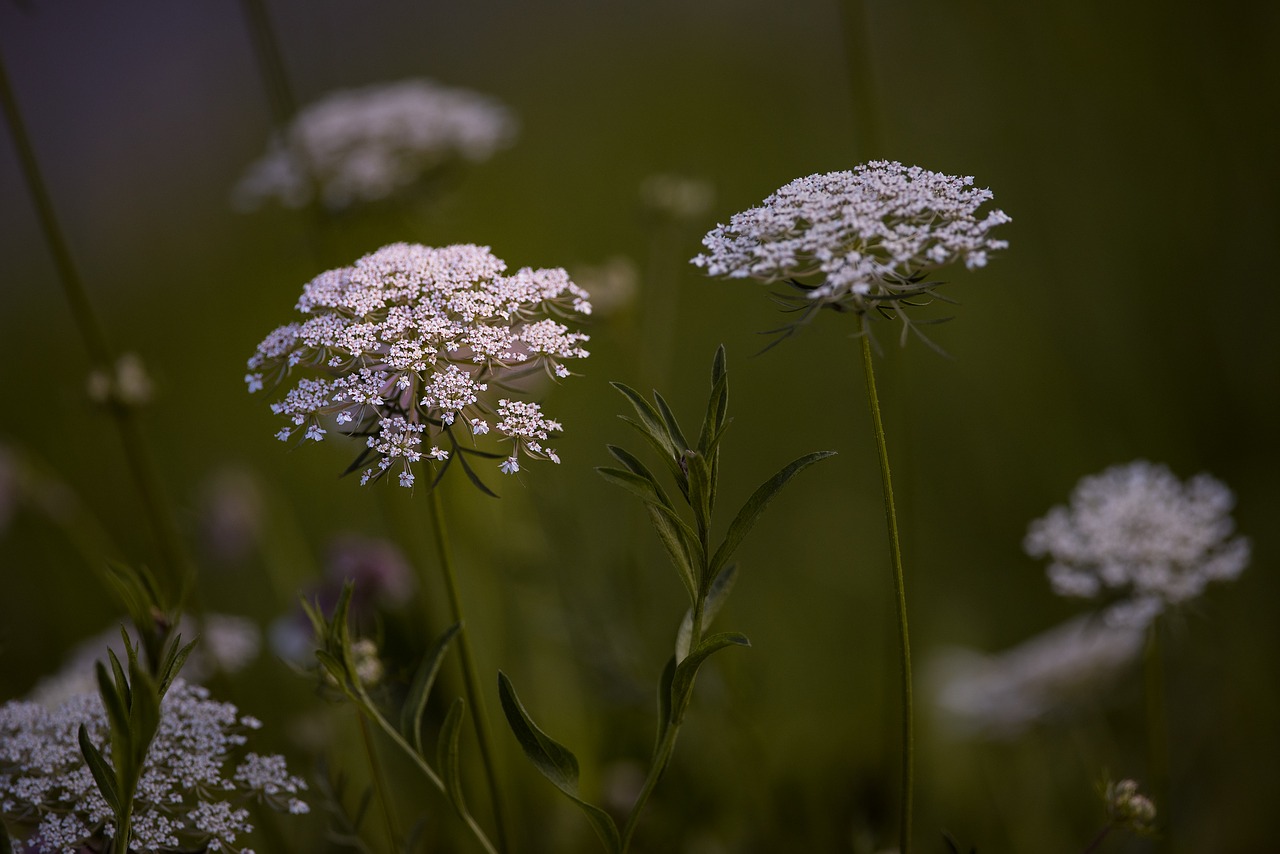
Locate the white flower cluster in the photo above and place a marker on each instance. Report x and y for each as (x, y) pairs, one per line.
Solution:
(1138, 531)
(360, 145)
(184, 796)
(871, 233)
(406, 343)
(1001, 695)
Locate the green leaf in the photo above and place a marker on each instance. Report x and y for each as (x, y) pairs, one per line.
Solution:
(415, 703)
(664, 701)
(717, 404)
(687, 670)
(333, 665)
(144, 713)
(103, 774)
(117, 710)
(672, 463)
(651, 423)
(756, 504)
(672, 425)
(117, 673)
(716, 598)
(700, 492)
(641, 485)
(472, 476)
(447, 753)
(176, 657)
(553, 760)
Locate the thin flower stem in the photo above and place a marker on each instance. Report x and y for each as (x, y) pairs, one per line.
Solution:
(1097, 840)
(666, 747)
(361, 697)
(475, 699)
(379, 781)
(899, 586)
(100, 353)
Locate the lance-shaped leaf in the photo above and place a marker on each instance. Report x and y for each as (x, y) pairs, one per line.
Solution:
(756, 504)
(664, 701)
(175, 657)
(447, 753)
(672, 425)
(717, 404)
(553, 760)
(650, 422)
(103, 774)
(687, 670)
(415, 703)
(677, 538)
(716, 598)
(701, 492)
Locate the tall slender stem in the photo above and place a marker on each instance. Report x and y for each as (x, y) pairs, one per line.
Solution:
(100, 354)
(379, 782)
(475, 699)
(899, 587)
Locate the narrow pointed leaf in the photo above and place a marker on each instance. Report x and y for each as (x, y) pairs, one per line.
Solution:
(664, 453)
(716, 598)
(664, 701)
(714, 418)
(117, 673)
(676, 542)
(672, 425)
(700, 489)
(553, 760)
(687, 670)
(177, 657)
(756, 504)
(117, 711)
(447, 753)
(650, 421)
(103, 774)
(334, 668)
(415, 703)
(144, 712)
(642, 486)
(472, 476)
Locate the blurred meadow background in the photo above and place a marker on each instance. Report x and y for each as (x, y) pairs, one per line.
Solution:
(1133, 144)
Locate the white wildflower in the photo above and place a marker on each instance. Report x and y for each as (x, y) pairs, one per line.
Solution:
(677, 197)
(1001, 695)
(1139, 532)
(864, 238)
(185, 798)
(405, 343)
(360, 145)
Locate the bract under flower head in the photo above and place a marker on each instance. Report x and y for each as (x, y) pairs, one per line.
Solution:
(402, 348)
(871, 234)
(360, 145)
(1139, 531)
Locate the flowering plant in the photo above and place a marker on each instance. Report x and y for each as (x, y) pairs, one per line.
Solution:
(405, 344)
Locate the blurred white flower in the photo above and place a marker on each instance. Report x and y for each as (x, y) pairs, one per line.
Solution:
(408, 339)
(226, 643)
(613, 283)
(232, 513)
(870, 235)
(677, 197)
(1136, 530)
(128, 384)
(187, 795)
(1000, 695)
(1129, 808)
(360, 145)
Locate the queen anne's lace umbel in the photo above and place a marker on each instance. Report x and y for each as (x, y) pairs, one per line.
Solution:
(1136, 530)
(871, 234)
(360, 145)
(404, 345)
(190, 793)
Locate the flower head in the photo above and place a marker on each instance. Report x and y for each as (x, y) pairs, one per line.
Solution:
(402, 347)
(187, 795)
(360, 145)
(1138, 531)
(870, 235)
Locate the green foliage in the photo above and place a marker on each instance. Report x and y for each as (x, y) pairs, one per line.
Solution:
(553, 760)
(132, 703)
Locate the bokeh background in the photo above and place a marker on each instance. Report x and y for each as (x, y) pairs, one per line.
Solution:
(1133, 143)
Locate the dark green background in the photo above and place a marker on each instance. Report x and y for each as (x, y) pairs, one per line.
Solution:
(1133, 316)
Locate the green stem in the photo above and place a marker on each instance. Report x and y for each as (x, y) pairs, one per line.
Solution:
(1097, 840)
(379, 782)
(95, 341)
(475, 698)
(899, 587)
(361, 697)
